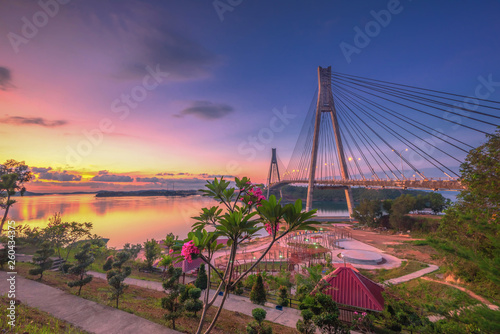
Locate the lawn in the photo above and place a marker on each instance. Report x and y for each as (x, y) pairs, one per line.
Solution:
(145, 303)
(431, 297)
(381, 275)
(33, 321)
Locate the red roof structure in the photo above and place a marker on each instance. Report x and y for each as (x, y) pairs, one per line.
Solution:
(348, 287)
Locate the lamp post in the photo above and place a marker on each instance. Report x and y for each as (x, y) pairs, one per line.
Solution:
(401, 156)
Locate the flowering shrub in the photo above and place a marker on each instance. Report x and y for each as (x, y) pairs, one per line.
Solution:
(188, 249)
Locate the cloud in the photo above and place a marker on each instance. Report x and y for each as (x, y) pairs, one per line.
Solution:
(5, 78)
(182, 58)
(206, 110)
(18, 120)
(152, 179)
(165, 174)
(40, 169)
(58, 176)
(111, 178)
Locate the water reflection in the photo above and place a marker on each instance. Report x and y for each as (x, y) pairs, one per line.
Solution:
(127, 219)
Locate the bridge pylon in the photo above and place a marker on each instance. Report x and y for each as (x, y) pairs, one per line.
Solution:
(274, 172)
(326, 104)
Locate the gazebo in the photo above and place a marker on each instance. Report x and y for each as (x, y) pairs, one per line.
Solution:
(352, 291)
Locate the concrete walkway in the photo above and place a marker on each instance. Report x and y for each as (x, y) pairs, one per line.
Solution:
(409, 277)
(82, 313)
(288, 317)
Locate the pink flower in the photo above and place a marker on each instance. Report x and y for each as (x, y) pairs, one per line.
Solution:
(269, 228)
(188, 249)
(170, 251)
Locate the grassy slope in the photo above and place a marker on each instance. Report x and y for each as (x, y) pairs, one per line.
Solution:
(145, 303)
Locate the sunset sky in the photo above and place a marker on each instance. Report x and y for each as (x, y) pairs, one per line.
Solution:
(140, 94)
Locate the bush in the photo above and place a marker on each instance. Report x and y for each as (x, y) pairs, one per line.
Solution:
(257, 326)
(202, 278)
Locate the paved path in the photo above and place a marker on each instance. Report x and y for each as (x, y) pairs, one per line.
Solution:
(82, 313)
(288, 317)
(411, 276)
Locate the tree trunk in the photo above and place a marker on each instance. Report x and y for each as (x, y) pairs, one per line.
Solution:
(226, 288)
(5, 213)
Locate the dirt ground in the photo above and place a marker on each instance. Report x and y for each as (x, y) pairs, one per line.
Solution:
(397, 245)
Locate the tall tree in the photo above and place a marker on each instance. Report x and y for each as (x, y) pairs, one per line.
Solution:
(42, 259)
(13, 176)
(84, 259)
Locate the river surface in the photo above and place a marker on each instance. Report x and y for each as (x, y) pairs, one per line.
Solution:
(127, 219)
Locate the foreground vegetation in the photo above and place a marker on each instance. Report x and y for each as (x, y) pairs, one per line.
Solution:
(33, 321)
(146, 304)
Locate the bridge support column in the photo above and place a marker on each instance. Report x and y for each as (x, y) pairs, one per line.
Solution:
(326, 104)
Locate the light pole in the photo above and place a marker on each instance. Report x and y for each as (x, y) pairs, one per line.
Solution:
(401, 156)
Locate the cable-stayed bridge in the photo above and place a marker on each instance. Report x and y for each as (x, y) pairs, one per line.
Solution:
(362, 132)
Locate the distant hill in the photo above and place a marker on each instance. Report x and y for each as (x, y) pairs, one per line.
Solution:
(181, 193)
(30, 193)
(291, 193)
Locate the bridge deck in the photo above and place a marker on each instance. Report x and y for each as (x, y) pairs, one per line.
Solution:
(403, 184)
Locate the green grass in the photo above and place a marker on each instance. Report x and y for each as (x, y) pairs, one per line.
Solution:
(432, 297)
(33, 321)
(381, 275)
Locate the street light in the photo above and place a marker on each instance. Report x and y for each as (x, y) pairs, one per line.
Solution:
(401, 156)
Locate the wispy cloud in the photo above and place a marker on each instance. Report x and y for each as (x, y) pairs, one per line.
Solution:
(206, 110)
(19, 120)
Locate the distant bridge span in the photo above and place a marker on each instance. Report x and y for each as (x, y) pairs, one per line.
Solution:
(398, 184)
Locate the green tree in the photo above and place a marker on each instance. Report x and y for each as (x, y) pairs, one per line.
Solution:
(258, 294)
(152, 251)
(116, 274)
(42, 259)
(257, 326)
(173, 288)
(64, 235)
(306, 324)
(169, 241)
(400, 208)
(13, 176)
(471, 227)
(202, 278)
(84, 259)
(134, 250)
(283, 297)
(368, 212)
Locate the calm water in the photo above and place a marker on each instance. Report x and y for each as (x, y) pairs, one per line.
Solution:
(126, 219)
